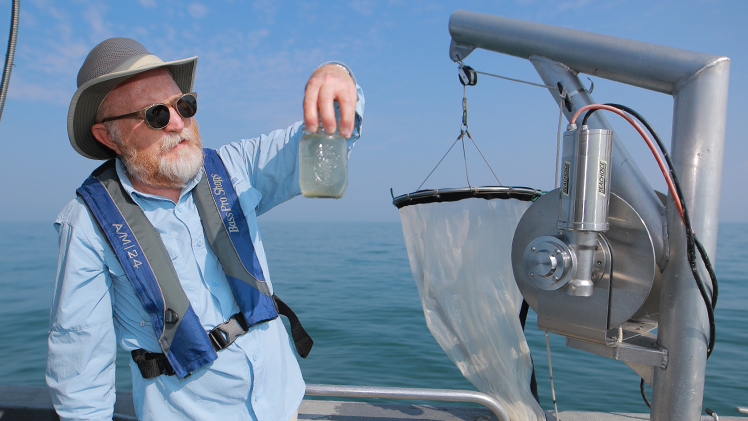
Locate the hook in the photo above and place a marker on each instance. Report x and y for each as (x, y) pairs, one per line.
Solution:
(464, 112)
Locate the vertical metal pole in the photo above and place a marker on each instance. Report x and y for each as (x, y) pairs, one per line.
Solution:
(697, 152)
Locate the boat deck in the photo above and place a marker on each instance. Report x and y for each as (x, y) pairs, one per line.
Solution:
(32, 403)
(316, 410)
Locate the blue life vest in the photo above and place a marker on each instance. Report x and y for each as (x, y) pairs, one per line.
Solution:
(143, 256)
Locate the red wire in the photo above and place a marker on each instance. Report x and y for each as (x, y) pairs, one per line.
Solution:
(663, 168)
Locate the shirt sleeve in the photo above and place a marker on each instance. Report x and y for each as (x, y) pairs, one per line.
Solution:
(270, 162)
(82, 343)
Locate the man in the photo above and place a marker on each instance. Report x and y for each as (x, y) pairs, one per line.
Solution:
(160, 251)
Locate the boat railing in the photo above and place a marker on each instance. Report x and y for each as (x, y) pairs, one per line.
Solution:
(380, 392)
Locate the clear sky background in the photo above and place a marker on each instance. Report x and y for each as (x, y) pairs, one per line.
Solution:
(255, 57)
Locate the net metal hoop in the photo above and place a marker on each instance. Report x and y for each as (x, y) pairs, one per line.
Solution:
(456, 194)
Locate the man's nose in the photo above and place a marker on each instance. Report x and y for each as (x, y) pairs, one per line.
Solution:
(176, 122)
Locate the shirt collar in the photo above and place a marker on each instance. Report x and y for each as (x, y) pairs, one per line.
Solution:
(127, 184)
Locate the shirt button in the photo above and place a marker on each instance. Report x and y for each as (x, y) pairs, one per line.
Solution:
(142, 323)
(215, 284)
(254, 358)
(199, 243)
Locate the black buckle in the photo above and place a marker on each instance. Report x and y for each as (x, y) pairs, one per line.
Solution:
(217, 338)
(152, 364)
(226, 333)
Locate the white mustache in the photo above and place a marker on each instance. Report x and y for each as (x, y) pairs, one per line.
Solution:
(173, 139)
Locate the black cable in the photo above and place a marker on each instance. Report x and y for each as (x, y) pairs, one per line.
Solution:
(691, 241)
(663, 149)
(523, 310)
(696, 242)
(587, 116)
(710, 269)
(644, 394)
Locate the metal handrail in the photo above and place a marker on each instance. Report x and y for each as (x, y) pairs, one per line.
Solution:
(449, 395)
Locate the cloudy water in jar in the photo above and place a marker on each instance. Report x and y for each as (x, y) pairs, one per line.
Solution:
(323, 168)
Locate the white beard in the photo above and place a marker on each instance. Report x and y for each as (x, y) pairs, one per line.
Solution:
(162, 170)
(188, 162)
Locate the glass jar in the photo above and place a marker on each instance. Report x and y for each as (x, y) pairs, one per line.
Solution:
(323, 164)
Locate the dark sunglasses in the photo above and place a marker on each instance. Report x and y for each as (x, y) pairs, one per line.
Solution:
(157, 115)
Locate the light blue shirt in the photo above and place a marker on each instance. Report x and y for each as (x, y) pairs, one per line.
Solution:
(95, 306)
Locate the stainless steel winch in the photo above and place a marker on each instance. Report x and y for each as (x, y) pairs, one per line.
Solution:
(582, 257)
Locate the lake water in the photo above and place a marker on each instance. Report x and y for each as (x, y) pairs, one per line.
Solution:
(350, 284)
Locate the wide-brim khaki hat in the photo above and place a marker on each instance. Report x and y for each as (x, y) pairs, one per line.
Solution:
(107, 65)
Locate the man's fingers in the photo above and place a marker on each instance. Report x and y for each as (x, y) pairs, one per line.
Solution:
(328, 84)
(311, 118)
(326, 107)
(347, 101)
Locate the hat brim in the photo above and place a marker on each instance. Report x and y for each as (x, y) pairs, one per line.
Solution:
(88, 98)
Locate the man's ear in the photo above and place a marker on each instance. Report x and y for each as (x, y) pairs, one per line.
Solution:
(102, 135)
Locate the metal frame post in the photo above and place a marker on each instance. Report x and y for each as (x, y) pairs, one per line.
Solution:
(697, 152)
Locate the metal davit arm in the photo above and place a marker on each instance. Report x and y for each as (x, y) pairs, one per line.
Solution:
(698, 83)
(649, 66)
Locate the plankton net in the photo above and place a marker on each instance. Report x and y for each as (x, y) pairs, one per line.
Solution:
(459, 244)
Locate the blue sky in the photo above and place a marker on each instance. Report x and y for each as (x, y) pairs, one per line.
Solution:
(255, 57)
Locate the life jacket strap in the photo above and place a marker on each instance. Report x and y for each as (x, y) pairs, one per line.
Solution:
(301, 340)
(152, 364)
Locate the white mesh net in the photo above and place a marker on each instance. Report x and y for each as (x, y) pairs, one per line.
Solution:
(460, 257)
